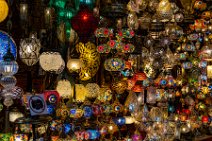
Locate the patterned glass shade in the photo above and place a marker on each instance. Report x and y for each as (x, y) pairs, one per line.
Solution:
(7, 42)
(64, 88)
(8, 82)
(52, 62)
(8, 67)
(29, 50)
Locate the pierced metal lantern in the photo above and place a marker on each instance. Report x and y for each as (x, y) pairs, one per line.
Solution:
(52, 62)
(29, 50)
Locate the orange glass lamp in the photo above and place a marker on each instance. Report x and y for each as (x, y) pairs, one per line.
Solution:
(140, 76)
(4, 10)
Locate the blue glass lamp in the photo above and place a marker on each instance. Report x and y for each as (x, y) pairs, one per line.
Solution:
(4, 40)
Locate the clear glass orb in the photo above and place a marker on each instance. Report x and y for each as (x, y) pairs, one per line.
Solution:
(8, 67)
(8, 82)
(8, 101)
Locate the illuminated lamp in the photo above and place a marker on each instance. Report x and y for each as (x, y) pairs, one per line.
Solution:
(15, 114)
(52, 62)
(8, 66)
(140, 76)
(29, 50)
(23, 11)
(120, 86)
(209, 71)
(84, 23)
(206, 53)
(64, 88)
(52, 96)
(74, 65)
(4, 10)
(20, 137)
(137, 88)
(7, 42)
(89, 3)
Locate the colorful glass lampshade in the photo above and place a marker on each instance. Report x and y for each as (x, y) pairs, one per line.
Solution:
(84, 23)
(74, 65)
(20, 137)
(52, 62)
(15, 114)
(140, 76)
(29, 50)
(6, 42)
(206, 52)
(4, 10)
(120, 86)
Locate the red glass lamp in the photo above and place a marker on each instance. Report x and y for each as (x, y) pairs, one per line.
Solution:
(84, 23)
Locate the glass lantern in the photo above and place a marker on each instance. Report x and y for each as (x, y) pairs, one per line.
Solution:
(74, 65)
(15, 114)
(8, 66)
(64, 88)
(7, 42)
(52, 62)
(8, 82)
(29, 50)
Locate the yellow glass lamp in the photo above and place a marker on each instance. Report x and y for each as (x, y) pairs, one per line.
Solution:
(74, 65)
(3, 10)
(209, 71)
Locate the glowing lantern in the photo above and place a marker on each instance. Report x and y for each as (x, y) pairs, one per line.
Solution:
(29, 50)
(8, 66)
(15, 114)
(52, 62)
(4, 10)
(84, 23)
(74, 65)
(209, 71)
(6, 42)
(64, 88)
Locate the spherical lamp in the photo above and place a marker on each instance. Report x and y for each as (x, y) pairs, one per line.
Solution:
(29, 50)
(52, 62)
(4, 10)
(84, 23)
